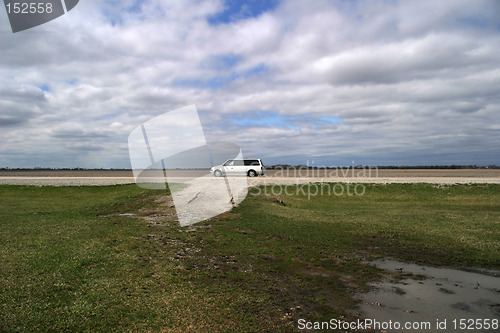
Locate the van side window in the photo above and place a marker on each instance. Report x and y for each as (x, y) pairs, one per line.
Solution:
(238, 163)
(252, 162)
(229, 163)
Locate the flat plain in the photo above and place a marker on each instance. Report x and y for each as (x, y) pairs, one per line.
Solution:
(114, 258)
(280, 177)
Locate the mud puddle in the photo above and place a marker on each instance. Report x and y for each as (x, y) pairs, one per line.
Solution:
(427, 294)
(120, 214)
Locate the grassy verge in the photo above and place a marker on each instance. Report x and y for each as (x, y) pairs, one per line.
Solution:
(66, 267)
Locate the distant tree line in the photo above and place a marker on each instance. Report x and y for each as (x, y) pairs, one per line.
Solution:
(62, 169)
(288, 166)
(400, 167)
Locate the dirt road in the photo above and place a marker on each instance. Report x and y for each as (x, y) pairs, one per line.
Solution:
(297, 176)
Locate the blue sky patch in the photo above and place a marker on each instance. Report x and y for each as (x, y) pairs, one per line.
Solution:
(113, 10)
(331, 120)
(220, 80)
(216, 82)
(474, 22)
(135, 7)
(255, 70)
(212, 83)
(235, 10)
(265, 119)
(277, 120)
(44, 87)
(224, 61)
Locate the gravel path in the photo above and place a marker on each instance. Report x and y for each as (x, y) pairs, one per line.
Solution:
(101, 181)
(66, 181)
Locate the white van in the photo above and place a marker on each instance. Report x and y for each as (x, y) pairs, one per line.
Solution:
(251, 167)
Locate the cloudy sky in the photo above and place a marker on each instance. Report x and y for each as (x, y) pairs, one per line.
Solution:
(334, 82)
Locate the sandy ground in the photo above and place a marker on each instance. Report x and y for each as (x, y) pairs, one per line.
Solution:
(110, 177)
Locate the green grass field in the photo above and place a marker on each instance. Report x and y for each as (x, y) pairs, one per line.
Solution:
(66, 267)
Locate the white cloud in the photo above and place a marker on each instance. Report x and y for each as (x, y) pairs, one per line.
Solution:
(414, 82)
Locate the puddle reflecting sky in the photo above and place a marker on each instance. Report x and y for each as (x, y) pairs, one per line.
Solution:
(444, 294)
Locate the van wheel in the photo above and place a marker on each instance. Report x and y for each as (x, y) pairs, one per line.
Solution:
(252, 173)
(217, 173)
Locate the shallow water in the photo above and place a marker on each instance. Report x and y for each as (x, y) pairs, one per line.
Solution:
(444, 294)
(120, 214)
